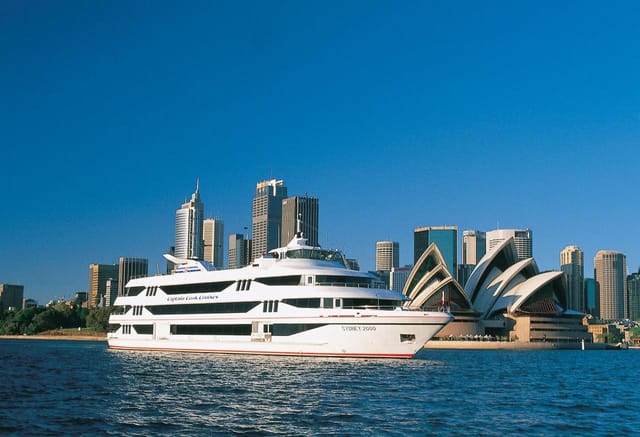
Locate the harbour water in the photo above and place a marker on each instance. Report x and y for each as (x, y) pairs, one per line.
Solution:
(82, 388)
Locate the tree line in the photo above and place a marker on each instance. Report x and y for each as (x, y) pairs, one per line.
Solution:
(35, 320)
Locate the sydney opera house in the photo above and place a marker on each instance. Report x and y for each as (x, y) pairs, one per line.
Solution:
(504, 298)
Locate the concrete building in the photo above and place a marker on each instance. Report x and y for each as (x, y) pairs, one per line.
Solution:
(610, 271)
(387, 255)
(523, 239)
(189, 241)
(213, 235)
(446, 237)
(307, 209)
(398, 277)
(11, 296)
(592, 297)
(572, 264)
(504, 298)
(98, 276)
(239, 251)
(267, 216)
(130, 268)
(474, 247)
(633, 290)
(111, 291)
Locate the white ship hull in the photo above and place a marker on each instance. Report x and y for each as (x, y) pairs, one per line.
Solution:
(299, 300)
(400, 336)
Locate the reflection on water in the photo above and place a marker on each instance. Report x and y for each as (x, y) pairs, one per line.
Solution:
(73, 388)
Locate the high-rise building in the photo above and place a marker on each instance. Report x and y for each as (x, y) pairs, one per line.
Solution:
(592, 297)
(446, 237)
(633, 290)
(474, 247)
(572, 264)
(98, 275)
(387, 255)
(398, 277)
(213, 234)
(11, 296)
(267, 216)
(130, 268)
(110, 292)
(522, 237)
(189, 242)
(610, 270)
(239, 251)
(307, 209)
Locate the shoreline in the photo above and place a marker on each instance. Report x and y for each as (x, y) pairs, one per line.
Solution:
(55, 337)
(511, 345)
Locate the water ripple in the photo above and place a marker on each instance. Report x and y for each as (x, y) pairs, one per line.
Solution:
(53, 388)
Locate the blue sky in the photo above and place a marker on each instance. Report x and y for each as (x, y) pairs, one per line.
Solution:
(394, 114)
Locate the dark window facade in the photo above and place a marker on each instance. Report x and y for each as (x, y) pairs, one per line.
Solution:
(211, 329)
(133, 291)
(207, 287)
(281, 280)
(143, 329)
(203, 308)
(306, 302)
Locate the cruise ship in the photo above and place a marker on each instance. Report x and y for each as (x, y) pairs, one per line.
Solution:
(296, 300)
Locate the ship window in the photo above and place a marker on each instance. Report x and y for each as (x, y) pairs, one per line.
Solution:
(206, 287)
(291, 329)
(407, 338)
(143, 329)
(211, 329)
(133, 291)
(275, 306)
(338, 302)
(328, 302)
(202, 308)
(264, 306)
(343, 281)
(270, 306)
(309, 302)
(280, 280)
(380, 304)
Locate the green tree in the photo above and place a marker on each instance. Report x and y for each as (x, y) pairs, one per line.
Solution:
(98, 319)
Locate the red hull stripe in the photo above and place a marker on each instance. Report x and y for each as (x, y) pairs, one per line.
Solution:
(247, 352)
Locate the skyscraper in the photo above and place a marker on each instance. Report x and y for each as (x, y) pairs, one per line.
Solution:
(267, 216)
(387, 255)
(474, 247)
(522, 237)
(572, 263)
(213, 235)
(610, 270)
(633, 290)
(130, 268)
(307, 208)
(189, 242)
(446, 237)
(98, 276)
(398, 277)
(11, 296)
(239, 251)
(592, 297)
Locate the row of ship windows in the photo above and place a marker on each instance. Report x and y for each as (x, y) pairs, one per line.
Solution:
(235, 329)
(245, 284)
(268, 306)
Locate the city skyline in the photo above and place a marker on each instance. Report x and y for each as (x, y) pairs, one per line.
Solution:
(395, 116)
